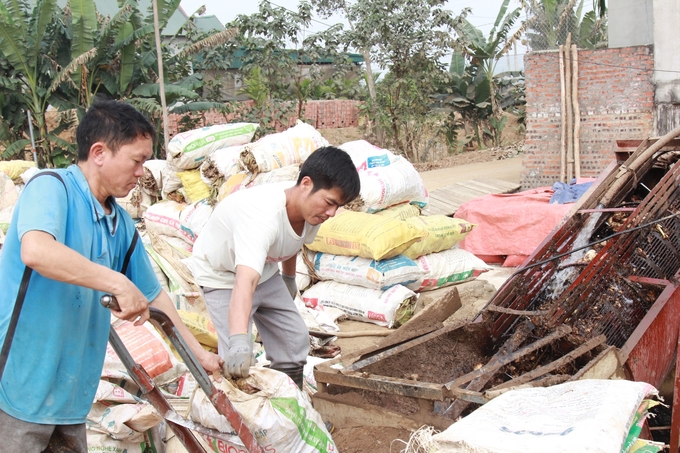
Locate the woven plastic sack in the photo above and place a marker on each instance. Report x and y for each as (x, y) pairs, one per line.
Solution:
(365, 155)
(14, 168)
(221, 164)
(366, 235)
(390, 308)
(447, 268)
(289, 147)
(187, 150)
(178, 219)
(382, 187)
(590, 415)
(443, 233)
(278, 411)
(195, 189)
(365, 272)
(401, 211)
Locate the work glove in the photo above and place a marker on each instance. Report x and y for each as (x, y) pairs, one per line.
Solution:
(290, 284)
(240, 356)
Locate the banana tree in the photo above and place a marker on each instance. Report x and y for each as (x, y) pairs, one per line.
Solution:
(474, 90)
(29, 41)
(550, 22)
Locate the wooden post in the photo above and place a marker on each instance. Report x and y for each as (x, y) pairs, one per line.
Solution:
(161, 76)
(570, 122)
(577, 111)
(563, 116)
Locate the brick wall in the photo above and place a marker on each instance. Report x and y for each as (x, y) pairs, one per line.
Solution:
(320, 114)
(616, 97)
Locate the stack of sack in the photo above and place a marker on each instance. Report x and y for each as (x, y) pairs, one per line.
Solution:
(372, 259)
(221, 169)
(13, 176)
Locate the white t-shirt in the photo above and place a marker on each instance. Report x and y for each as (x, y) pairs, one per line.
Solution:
(249, 228)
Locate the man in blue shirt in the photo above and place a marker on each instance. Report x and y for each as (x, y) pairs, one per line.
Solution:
(66, 247)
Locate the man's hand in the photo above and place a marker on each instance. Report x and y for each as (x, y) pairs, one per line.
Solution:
(209, 361)
(240, 356)
(134, 307)
(290, 284)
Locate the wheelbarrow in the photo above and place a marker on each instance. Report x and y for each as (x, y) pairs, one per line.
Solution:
(181, 427)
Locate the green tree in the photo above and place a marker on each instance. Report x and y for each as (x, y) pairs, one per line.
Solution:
(551, 21)
(272, 73)
(31, 42)
(406, 38)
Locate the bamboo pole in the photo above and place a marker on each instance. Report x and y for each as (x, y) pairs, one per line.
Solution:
(577, 111)
(161, 77)
(570, 122)
(563, 116)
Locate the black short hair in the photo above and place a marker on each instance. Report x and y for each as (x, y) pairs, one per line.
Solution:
(330, 167)
(114, 123)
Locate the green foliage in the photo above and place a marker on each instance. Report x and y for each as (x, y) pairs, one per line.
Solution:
(68, 58)
(475, 91)
(406, 38)
(550, 22)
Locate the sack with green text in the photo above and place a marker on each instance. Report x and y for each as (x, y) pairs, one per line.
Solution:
(273, 409)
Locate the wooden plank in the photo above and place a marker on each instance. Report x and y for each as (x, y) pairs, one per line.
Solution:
(343, 415)
(429, 319)
(499, 184)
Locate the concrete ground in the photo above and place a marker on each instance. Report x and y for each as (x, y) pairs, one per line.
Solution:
(505, 170)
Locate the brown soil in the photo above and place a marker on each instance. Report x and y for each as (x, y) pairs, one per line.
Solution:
(367, 439)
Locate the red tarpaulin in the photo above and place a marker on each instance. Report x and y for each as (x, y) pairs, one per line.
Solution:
(510, 226)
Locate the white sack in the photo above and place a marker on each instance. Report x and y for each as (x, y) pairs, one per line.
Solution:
(278, 411)
(447, 268)
(580, 416)
(187, 150)
(365, 155)
(355, 270)
(396, 183)
(289, 147)
(361, 304)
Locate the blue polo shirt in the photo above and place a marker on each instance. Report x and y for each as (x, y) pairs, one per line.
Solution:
(56, 358)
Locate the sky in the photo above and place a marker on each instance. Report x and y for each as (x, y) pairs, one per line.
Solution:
(483, 14)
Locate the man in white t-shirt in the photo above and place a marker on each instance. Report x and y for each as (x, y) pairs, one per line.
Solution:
(236, 256)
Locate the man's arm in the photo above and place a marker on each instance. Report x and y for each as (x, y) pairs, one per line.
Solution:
(241, 303)
(208, 360)
(54, 260)
(288, 268)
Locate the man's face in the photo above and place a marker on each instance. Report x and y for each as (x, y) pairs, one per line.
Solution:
(121, 171)
(318, 206)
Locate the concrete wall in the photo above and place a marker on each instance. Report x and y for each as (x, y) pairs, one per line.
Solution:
(616, 95)
(631, 23)
(667, 65)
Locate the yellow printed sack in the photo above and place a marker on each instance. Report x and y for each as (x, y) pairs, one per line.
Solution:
(194, 187)
(14, 169)
(441, 233)
(201, 327)
(401, 211)
(366, 235)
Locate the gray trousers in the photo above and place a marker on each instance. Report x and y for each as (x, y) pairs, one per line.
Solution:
(18, 436)
(281, 328)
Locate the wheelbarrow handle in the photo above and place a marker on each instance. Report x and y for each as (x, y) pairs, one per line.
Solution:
(168, 328)
(217, 397)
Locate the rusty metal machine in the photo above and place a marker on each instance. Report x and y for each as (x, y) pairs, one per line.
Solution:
(602, 288)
